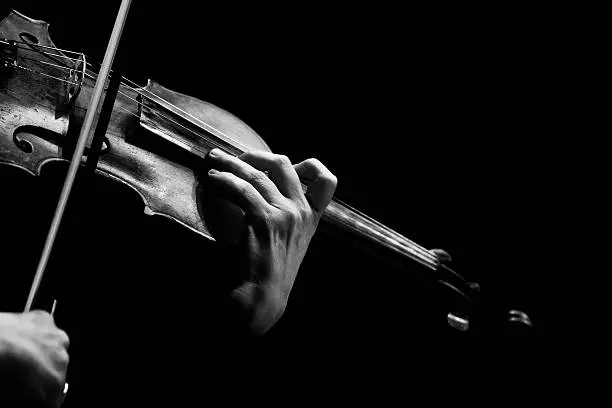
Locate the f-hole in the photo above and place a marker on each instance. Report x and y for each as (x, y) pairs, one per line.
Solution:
(27, 37)
(31, 41)
(26, 146)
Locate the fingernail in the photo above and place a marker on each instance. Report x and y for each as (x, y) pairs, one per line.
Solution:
(215, 152)
(212, 171)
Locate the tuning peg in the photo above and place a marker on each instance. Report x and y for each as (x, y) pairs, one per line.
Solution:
(458, 321)
(518, 323)
(442, 255)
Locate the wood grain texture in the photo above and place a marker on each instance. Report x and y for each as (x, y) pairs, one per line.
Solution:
(28, 100)
(29, 103)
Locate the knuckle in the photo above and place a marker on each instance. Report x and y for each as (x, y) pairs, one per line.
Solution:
(331, 180)
(246, 156)
(64, 338)
(63, 358)
(257, 176)
(243, 188)
(282, 161)
(40, 313)
(321, 172)
(305, 212)
(328, 178)
(291, 216)
(315, 163)
(40, 317)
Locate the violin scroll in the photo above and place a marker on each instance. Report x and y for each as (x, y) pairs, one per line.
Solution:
(467, 313)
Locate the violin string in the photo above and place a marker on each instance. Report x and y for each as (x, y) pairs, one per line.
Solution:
(386, 228)
(395, 239)
(210, 140)
(125, 95)
(387, 232)
(48, 54)
(383, 230)
(53, 65)
(232, 142)
(211, 129)
(228, 139)
(140, 103)
(43, 74)
(400, 244)
(390, 233)
(8, 42)
(169, 119)
(362, 215)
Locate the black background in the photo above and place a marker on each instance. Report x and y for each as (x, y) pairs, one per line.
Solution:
(435, 121)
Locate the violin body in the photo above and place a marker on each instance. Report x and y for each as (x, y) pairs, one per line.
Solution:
(43, 101)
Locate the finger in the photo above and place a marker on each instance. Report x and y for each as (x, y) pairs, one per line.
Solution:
(280, 171)
(240, 192)
(42, 317)
(321, 182)
(258, 179)
(63, 338)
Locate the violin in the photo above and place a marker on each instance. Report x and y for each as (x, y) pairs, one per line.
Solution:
(153, 140)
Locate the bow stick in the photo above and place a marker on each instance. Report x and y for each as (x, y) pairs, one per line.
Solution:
(86, 129)
(77, 157)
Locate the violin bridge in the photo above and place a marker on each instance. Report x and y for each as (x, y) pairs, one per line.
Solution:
(72, 85)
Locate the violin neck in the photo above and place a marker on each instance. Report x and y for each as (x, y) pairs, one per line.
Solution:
(351, 220)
